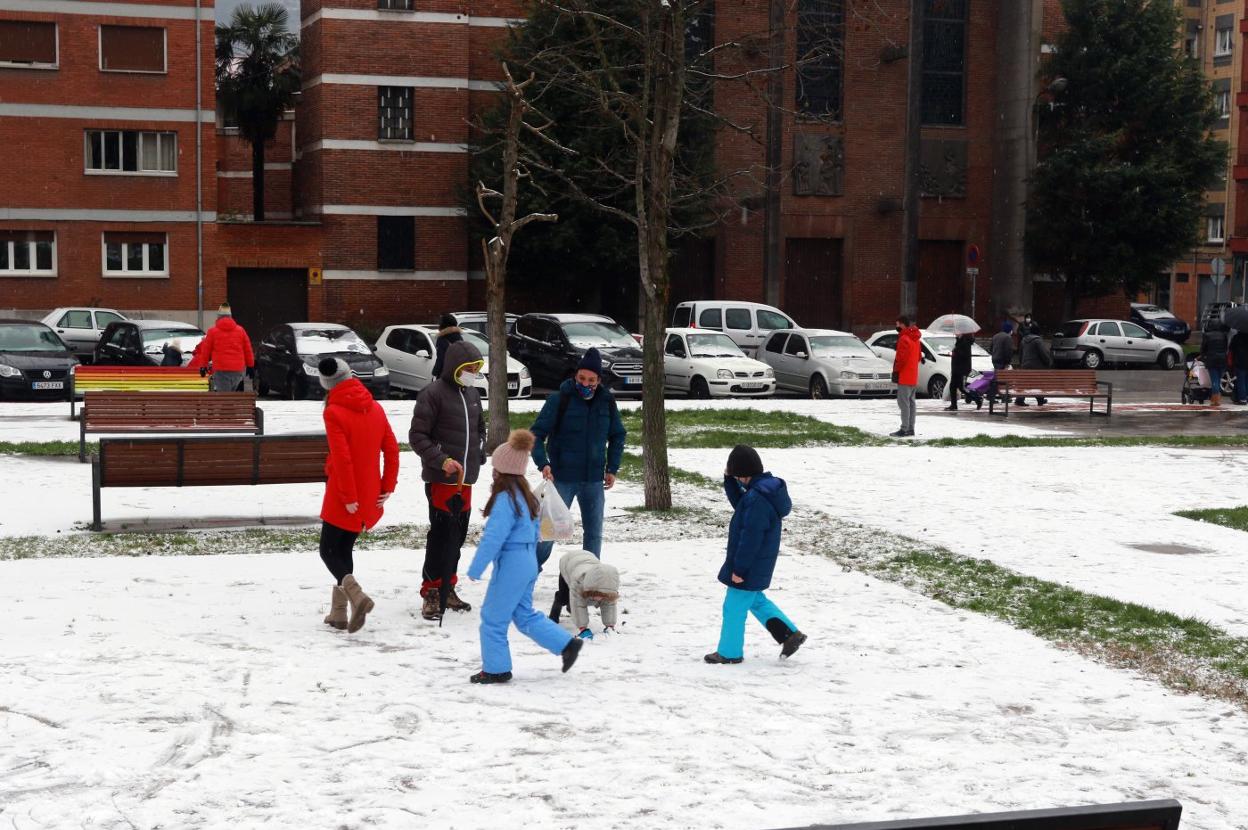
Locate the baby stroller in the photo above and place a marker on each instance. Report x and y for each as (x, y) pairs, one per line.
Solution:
(980, 387)
(1197, 386)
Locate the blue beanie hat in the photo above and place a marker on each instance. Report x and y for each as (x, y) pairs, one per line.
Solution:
(592, 361)
(1007, 327)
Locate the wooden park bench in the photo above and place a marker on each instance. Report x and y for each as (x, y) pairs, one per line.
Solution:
(1053, 383)
(216, 461)
(1139, 815)
(152, 412)
(134, 379)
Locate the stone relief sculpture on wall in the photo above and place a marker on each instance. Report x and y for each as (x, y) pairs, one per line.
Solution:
(818, 165)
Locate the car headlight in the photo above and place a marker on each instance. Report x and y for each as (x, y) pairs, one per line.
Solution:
(311, 369)
(381, 372)
(524, 373)
(73, 369)
(724, 374)
(606, 364)
(769, 372)
(848, 376)
(9, 372)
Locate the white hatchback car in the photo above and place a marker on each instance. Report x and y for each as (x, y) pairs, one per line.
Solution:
(408, 352)
(824, 362)
(937, 364)
(748, 324)
(707, 364)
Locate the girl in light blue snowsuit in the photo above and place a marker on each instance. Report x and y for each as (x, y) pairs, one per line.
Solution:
(509, 543)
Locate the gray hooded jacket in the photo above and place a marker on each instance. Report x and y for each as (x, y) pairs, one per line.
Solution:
(1035, 353)
(448, 421)
(584, 572)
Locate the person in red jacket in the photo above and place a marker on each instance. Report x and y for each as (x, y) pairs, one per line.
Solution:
(356, 489)
(228, 349)
(906, 373)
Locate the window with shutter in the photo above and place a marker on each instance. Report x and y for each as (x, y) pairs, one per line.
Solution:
(28, 43)
(396, 243)
(132, 49)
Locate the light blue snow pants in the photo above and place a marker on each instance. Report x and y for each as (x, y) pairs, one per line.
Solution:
(510, 599)
(737, 604)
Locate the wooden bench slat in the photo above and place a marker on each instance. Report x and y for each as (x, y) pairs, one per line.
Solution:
(1052, 383)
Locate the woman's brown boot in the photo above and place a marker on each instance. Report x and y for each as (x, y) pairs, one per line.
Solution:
(337, 609)
(361, 604)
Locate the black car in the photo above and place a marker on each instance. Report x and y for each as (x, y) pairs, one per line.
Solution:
(287, 358)
(1160, 322)
(142, 342)
(552, 345)
(35, 364)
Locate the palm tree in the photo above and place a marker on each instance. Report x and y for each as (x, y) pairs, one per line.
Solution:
(257, 78)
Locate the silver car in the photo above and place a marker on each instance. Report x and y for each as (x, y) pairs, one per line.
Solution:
(824, 363)
(1096, 343)
(81, 328)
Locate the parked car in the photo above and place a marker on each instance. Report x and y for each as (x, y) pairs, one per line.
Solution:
(35, 363)
(287, 358)
(936, 365)
(1097, 343)
(1160, 322)
(824, 362)
(408, 352)
(478, 321)
(748, 324)
(142, 342)
(552, 345)
(81, 327)
(705, 364)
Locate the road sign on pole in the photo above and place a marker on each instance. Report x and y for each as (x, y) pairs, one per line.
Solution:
(972, 255)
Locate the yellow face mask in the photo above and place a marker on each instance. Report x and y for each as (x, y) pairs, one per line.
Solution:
(471, 370)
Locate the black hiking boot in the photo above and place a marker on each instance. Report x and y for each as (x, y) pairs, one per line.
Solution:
(570, 652)
(792, 643)
(486, 677)
(715, 658)
(454, 603)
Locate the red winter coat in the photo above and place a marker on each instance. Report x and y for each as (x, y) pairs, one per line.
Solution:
(358, 434)
(227, 347)
(906, 361)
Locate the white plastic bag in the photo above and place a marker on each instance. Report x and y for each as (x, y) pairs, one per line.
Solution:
(557, 525)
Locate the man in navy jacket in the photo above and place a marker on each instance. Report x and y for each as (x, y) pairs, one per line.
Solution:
(760, 502)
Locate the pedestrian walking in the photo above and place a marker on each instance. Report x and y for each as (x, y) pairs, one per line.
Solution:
(1002, 350)
(357, 487)
(906, 373)
(580, 444)
(1239, 361)
(960, 367)
(586, 581)
(227, 350)
(1035, 355)
(448, 433)
(448, 332)
(760, 501)
(1213, 351)
(509, 544)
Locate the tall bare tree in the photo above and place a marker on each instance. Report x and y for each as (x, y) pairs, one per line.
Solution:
(497, 248)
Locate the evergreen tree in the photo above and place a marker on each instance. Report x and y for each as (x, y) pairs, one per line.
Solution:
(1125, 152)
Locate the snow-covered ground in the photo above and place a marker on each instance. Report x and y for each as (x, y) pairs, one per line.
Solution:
(206, 692)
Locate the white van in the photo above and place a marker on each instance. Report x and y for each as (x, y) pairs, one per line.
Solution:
(748, 324)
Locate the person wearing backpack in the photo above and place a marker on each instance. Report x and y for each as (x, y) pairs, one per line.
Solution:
(580, 444)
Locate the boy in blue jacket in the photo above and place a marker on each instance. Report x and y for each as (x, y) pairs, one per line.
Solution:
(760, 501)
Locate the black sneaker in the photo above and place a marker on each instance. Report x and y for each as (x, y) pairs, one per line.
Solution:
(1021, 402)
(901, 433)
(570, 652)
(486, 677)
(908, 434)
(792, 643)
(953, 407)
(718, 659)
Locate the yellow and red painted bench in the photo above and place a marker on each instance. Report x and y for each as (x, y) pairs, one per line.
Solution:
(134, 379)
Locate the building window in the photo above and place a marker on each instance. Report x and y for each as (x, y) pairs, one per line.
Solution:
(135, 255)
(1224, 103)
(396, 243)
(944, 62)
(1215, 229)
(395, 5)
(1191, 45)
(1223, 41)
(131, 151)
(28, 44)
(132, 49)
(27, 253)
(394, 112)
(820, 57)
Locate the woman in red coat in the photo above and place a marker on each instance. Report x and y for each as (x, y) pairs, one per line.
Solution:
(357, 488)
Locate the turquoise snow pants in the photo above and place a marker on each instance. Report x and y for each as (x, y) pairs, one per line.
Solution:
(737, 604)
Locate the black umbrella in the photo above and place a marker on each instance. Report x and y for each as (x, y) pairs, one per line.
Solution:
(1236, 318)
(455, 506)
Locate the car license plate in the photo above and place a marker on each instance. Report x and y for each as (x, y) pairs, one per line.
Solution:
(878, 386)
(753, 386)
(633, 380)
(513, 386)
(48, 384)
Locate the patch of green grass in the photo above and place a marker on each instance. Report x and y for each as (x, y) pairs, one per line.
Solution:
(712, 428)
(1185, 441)
(1235, 518)
(631, 470)
(44, 448)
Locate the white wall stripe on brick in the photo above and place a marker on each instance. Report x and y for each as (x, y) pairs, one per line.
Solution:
(386, 210)
(246, 174)
(153, 12)
(403, 16)
(90, 215)
(384, 146)
(418, 81)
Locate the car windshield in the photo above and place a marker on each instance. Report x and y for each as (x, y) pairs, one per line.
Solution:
(597, 334)
(481, 342)
(162, 336)
(944, 346)
(1070, 329)
(839, 345)
(29, 339)
(1152, 312)
(329, 340)
(713, 345)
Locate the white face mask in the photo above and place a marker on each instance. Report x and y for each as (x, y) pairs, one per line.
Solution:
(468, 378)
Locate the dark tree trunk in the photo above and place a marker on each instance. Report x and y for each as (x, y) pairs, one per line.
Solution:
(257, 181)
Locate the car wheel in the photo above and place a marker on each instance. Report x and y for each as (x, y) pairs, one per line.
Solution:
(1167, 360)
(1228, 384)
(936, 386)
(818, 388)
(698, 389)
(1091, 359)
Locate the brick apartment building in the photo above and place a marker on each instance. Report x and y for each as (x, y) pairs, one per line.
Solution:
(363, 183)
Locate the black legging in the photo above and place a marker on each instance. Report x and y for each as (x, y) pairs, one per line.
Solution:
(337, 546)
